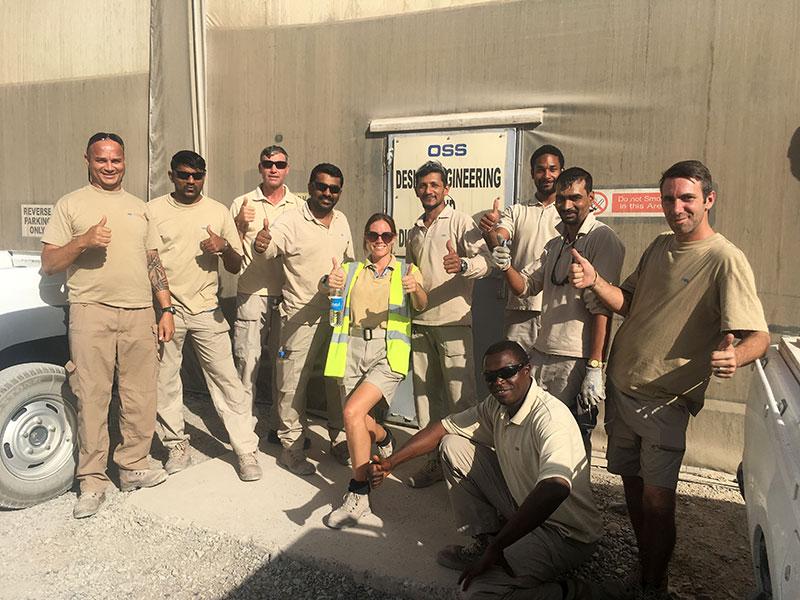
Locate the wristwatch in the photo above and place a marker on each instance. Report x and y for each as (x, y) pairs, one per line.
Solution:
(224, 248)
(595, 364)
(464, 266)
(170, 309)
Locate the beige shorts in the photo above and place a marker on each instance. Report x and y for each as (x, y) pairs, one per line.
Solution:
(645, 439)
(366, 361)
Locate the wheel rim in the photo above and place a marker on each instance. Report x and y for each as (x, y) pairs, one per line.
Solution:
(38, 439)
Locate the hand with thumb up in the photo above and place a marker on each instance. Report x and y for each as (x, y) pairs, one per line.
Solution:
(336, 278)
(98, 236)
(409, 281)
(214, 244)
(581, 272)
(263, 238)
(245, 216)
(452, 261)
(723, 359)
(490, 219)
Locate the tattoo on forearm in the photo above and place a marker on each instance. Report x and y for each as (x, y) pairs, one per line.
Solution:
(155, 270)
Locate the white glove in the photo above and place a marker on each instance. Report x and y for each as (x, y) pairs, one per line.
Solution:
(501, 257)
(593, 389)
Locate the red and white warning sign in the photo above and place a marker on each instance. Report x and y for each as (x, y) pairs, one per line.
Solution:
(628, 202)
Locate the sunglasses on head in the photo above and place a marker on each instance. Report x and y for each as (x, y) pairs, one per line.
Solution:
(506, 373)
(321, 187)
(386, 236)
(278, 164)
(186, 174)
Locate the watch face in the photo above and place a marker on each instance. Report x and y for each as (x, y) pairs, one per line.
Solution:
(594, 363)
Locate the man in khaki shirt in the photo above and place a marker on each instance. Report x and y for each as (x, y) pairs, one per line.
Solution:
(447, 247)
(526, 228)
(256, 329)
(568, 355)
(692, 294)
(195, 233)
(309, 241)
(518, 482)
(101, 237)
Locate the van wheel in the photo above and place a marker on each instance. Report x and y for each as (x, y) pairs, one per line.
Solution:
(38, 434)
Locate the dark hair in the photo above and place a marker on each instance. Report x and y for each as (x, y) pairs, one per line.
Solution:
(188, 158)
(508, 346)
(327, 169)
(690, 169)
(374, 219)
(102, 135)
(432, 166)
(547, 149)
(573, 174)
(270, 150)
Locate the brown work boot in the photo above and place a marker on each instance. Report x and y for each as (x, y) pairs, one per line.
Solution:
(460, 557)
(133, 480)
(341, 453)
(295, 461)
(430, 473)
(88, 504)
(249, 469)
(179, 458)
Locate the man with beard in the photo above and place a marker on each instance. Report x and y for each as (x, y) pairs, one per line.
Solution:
(309, 241)
(527, 227)
(568, 355)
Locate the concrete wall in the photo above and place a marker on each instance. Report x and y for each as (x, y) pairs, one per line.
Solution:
(629, 87)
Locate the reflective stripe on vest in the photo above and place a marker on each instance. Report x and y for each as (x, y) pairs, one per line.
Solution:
(398, 325)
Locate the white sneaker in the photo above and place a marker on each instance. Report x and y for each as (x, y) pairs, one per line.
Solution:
(352, 509)
(387, 449)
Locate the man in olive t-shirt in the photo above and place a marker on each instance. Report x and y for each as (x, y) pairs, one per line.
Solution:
(101, 237)
(692, 294)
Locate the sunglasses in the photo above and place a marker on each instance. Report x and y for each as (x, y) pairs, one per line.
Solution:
(505, 373)
(186, 174)
(278, 164)
(321, 187)
(386, 236)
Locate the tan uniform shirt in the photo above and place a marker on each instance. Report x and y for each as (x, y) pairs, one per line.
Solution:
(306, 248)
(685, 295)
(531, 226)
(115, 275)
(540, 441)
(449, 295)
(262, 277)
(566, 311)
(369, 298)
(192, 274)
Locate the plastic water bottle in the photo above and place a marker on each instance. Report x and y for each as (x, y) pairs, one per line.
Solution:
(336, 315)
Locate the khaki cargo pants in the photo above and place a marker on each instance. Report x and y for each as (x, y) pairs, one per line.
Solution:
(101, 339)
(522, 326)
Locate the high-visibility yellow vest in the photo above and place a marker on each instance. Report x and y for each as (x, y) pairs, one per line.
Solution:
(398, 325)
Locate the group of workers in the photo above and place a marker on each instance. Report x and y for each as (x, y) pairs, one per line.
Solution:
(516, 464)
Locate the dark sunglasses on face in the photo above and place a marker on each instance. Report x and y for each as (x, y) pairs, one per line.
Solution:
(506, 373)
(386, 236)
(278, 164)
(186, 174)
(321, 187)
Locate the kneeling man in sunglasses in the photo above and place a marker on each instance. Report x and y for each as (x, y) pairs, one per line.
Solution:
(518, 481)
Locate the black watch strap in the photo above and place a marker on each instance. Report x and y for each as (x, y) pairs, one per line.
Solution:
(169, 309)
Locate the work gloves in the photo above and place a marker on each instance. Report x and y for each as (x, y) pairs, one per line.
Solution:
(501, 257)
(593, 390)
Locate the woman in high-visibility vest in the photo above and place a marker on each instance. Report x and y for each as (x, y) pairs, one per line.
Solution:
(370, 349)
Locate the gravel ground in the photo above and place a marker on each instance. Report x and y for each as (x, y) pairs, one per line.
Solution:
(123, 552)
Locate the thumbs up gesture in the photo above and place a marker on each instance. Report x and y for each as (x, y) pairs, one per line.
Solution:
(336, 277)
(723, 359)
(246, 215)
(98, 236)
(451, 261)
(581, 272)
(490, 219)
(214, 244)
(409, 281)
(263, 238)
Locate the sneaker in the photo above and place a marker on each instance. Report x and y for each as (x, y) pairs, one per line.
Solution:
(133, 480)
(386, 447)
(272, 438)
(352, 509)
(179, 458)
(295, 461)
(249, 469)
(88, 504)
(341, 453)
(460, 557)
(429, 474)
